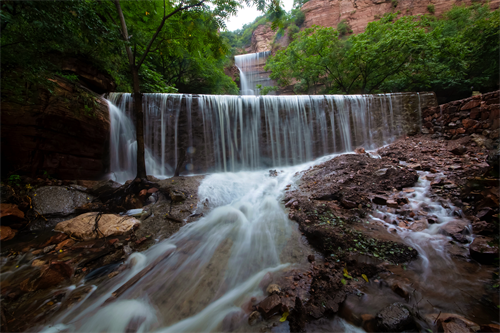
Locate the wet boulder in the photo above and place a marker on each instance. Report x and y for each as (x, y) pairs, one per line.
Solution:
(459, 150)
(379, 200)
(394, 318)
(273, 289)
(6, 233)
(457, 229)
(104, 189)
(270, 306)
(6, 193)
(93, 225)
(10, 213)
(58, 200)
(452, 323)
(419, 225)
(177, 196)
(483, 250)
(48, 276)
(483, 228)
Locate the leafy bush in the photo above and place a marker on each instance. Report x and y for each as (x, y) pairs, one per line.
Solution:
(343, 28)
(431, 9)
(413, 53)
(292, 31)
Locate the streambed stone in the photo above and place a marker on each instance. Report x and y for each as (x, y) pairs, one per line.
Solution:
(58, 200)
(82, 227)
(483, 250)
(394, 318)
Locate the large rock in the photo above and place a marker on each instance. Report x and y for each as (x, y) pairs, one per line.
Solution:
(452, 323)
(6, 233)
(50, 276)
(483, 250)
(6, 193)
(104, 189)
(270, 306)
(457, 229)
(65, 133)
(394, 318)
(11, 212)
(58, 200)
(83, 226)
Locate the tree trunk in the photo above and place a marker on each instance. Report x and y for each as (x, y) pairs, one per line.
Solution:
(139, 125)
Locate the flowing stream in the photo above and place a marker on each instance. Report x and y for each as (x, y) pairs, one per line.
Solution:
(213, 267)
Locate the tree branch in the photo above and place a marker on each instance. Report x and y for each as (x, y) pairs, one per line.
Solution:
(131, 59)
(165, 18)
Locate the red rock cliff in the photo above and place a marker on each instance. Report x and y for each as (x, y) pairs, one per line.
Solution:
(358, 13)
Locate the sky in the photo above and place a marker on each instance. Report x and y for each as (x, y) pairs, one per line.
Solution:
(248, 14)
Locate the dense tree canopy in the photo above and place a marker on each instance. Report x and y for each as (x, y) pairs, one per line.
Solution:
(456, 53)
(189, 54)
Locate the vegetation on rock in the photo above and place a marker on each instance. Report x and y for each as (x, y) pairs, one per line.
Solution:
(453, 54)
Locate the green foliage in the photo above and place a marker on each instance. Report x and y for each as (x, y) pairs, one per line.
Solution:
(394, 3)
(292, 30)
(412, 53)
(14, 180)
(431, 9)
(343, 28)
(299, 3)
(37, 35)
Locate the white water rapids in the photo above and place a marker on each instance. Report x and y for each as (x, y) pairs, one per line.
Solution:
(215, 265)
(215, 268)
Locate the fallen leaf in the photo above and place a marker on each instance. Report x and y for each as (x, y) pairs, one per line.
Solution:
(364, 277)
(282, 319)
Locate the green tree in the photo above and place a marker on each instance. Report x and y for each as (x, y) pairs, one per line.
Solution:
(412, 53)
(36, 34)
(151, 25)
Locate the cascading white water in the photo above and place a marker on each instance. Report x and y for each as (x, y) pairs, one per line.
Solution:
(251, 67)
(215, 268)
(232, 133)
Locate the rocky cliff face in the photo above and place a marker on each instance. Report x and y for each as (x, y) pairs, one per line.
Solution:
(65, 133)
(262, 37)
(358, 13)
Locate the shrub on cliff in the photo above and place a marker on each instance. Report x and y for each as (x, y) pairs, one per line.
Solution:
(412, 53)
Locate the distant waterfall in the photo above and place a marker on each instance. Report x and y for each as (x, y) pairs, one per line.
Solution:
(232, 133)
(252, 72)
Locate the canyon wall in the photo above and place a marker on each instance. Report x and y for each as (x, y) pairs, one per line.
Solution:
(358, 13)
(64, 133)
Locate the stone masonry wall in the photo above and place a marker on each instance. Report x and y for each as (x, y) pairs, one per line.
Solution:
(474, 115)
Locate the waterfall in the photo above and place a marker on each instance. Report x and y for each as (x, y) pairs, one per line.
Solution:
(252, 72)
(213, 133)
